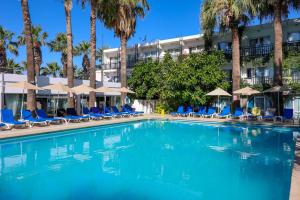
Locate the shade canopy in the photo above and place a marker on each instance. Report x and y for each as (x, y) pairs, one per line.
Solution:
(58, 87)
(277, 89)
(24, 85)
(247, 91)
(218, 92)
(124, 90)
(105, 89)
(81, 89)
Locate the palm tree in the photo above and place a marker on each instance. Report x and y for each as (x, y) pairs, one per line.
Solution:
(52, 69)
(230, 15)
(276, 10)
(31, 101)
(39, 39)
(121, 16)
(83, 49)
(6, 43)
(92, 67)
(16, 68)
(70, 71)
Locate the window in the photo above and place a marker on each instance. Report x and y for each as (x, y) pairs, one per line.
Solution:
(249, 72)
(113, 60)
(265, 40)
(150, 54)
(174, 52)
(294, 36)
(224, 46)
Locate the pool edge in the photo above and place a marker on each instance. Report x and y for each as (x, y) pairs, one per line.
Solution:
(295, 182)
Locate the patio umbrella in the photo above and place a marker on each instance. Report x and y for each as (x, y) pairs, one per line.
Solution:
(23, 85)
(105, 89)
(218, 92)
(124, 90)
(81, 89)
(57, 87)
(247, 91)
(278, 90)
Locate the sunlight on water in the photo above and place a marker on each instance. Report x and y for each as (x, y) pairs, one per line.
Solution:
(150, 160)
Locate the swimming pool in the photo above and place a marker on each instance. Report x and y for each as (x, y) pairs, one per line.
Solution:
(150, 159)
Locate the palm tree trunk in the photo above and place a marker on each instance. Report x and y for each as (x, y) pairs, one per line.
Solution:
(236, 68)
(123, 67)
(64, 64)
(31, 101)
(37, 54)
(92, 96)
(70, 71)
(278, 45)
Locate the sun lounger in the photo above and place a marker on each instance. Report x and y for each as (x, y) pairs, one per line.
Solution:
(238, 113)
(41, 114)
(91, 115)
(116, 110)
(201, 112)
(225, 113)
(132, 113)
(27, 117)
(189, 111)
(269, 115)
(96, 110)
(288, 114)
(180, 110)
(72, 115)
(8, 119)
(211, 112)
(107, 110)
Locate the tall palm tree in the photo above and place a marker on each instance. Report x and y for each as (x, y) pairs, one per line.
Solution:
(121, 16)
(83, 48)
(31, 101)
(52, 69)
(16, 68)
(39, 39)
(276, 10)
(6, 43)
(70, 70)
(92, 70)
(230, 15)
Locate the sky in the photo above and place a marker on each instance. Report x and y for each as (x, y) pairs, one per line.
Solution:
(166, 19)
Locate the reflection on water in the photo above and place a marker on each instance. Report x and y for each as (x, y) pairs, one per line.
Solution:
(150, 160)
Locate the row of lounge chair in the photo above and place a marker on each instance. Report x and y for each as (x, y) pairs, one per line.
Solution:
(42, 119)
(237, 114)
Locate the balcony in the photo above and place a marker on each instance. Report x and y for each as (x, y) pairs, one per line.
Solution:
(259, 80)
(110, 66)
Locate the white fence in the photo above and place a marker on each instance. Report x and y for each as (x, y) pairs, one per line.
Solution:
(148, 106)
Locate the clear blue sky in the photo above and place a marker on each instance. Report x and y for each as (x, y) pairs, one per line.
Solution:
(166, 19)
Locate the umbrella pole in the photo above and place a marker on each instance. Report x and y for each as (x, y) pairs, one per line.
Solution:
(22, 104)
(219, 103)
(56, 104)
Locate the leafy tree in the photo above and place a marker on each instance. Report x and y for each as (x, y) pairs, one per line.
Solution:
(52, 69)
(229, 15)
(16, 68)
(84, 49)
(178, 82)
(6, 43)
(59, 44)
(39, 39)
(121, 16)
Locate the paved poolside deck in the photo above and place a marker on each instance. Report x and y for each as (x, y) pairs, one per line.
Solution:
(294, 192)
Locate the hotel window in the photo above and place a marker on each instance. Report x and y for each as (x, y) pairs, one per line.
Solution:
(265, 40)
(294, 36)
(249, 72)
(224, 46)
(150, 54)
(174, 52)
(113, 60)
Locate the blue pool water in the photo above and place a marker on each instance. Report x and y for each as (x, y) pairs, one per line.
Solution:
(150, 160)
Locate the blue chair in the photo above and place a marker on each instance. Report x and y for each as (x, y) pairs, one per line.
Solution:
(225, 113)
(269, 115)
(116, 110)
(129, 111)
(189, 111)
(238, 113)
(91, 115)
(211, 112)
(96, 110)
(288, 114)
(201, 112)
(41, 114)
(27, 116)
(72, 115)
(8, 119)
(180, 110)
(107, 110)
